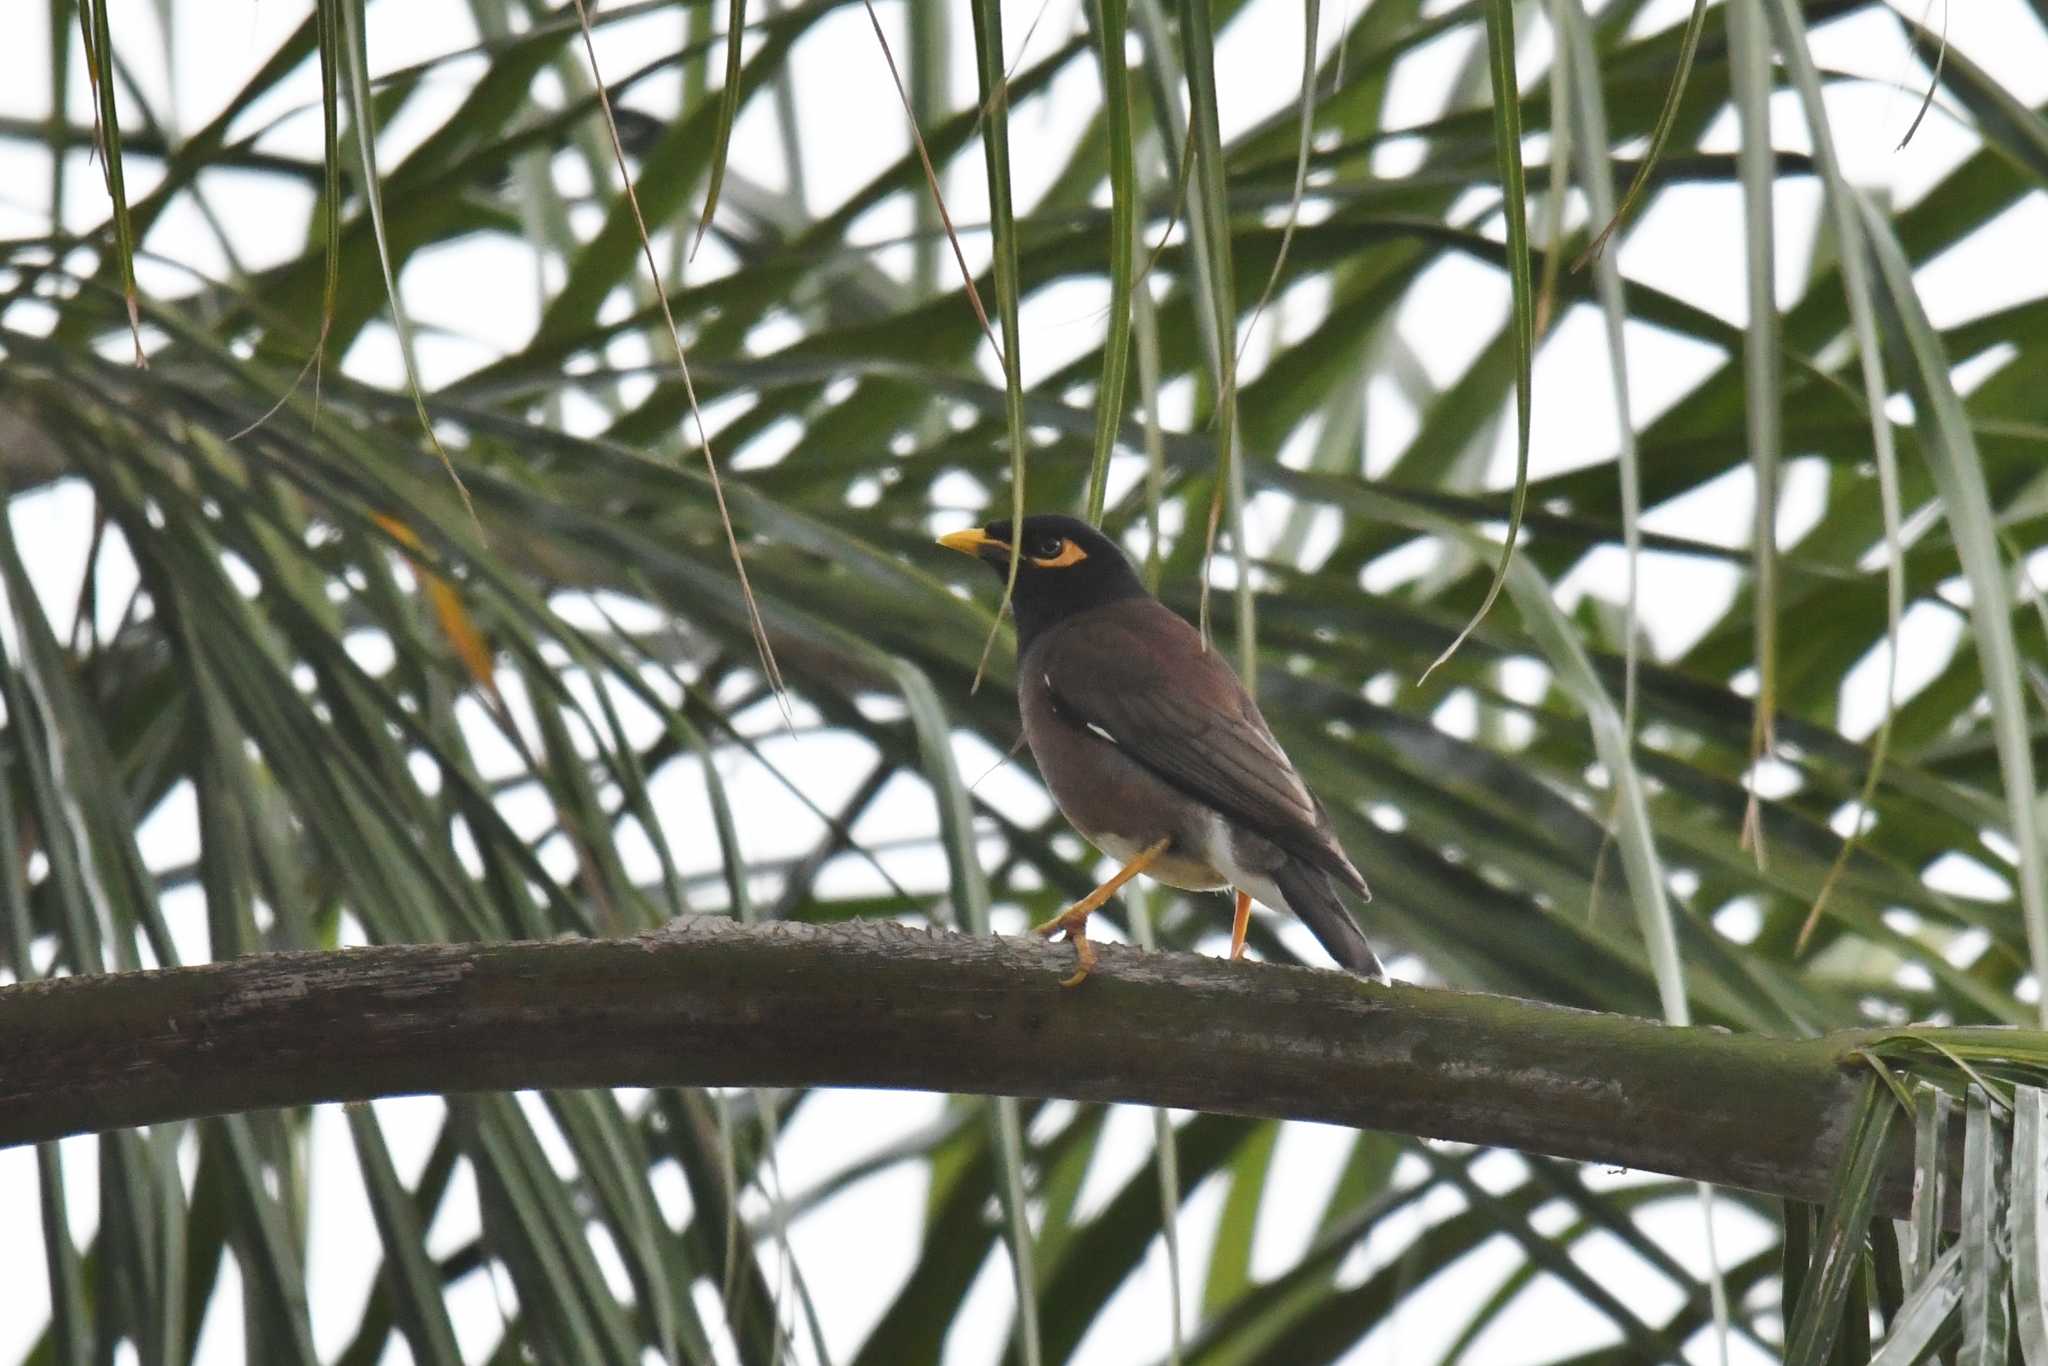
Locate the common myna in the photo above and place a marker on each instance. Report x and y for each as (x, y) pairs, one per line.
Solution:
(1153, 749)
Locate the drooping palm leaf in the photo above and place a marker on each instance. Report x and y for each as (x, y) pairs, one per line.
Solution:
(272, 731)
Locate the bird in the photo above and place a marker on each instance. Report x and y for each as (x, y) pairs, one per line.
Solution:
(1152, 748)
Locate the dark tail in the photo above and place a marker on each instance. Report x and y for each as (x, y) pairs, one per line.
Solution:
(1312, 896)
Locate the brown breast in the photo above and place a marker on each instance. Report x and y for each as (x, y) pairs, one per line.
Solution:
(1118, 806)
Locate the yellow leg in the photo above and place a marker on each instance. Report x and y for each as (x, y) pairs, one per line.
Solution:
(1239, 925)
(1073, 921)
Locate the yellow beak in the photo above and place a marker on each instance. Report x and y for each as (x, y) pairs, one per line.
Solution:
(971, 541)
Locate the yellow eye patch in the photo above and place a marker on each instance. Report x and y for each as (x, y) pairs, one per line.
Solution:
(1070, 553)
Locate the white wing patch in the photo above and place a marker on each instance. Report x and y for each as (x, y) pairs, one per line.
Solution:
(1105, 735)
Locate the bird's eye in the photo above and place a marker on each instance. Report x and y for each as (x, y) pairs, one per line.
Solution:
(1049, 547)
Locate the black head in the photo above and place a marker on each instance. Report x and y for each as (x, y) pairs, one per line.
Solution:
(1066, 566)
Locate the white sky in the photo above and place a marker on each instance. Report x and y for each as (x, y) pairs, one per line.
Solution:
(855, 1250)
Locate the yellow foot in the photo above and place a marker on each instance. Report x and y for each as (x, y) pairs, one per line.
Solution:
(1239, 925)
(1073, 923)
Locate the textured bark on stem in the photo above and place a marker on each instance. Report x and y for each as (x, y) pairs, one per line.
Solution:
(711, 1002)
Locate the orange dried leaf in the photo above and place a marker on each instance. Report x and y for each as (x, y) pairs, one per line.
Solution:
(456, 623)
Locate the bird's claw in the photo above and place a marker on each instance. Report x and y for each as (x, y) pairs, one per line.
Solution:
(1075, 928)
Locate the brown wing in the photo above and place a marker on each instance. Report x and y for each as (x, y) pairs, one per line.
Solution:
(1137, 675)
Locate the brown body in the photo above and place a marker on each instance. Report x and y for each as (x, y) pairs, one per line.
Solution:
(1151, 746)
(1099, 689)
(1120, 805)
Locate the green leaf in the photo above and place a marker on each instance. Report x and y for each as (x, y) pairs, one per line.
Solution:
(1230, 1256)
(1208, 225)
(1816, 1319)
(410, 1273)
(1859, 294)
(1111, 19)
(1951, 450)
(2028, 1209)
(1763, 386)
(990, 56)
(1986, 1262)
(728, 107)
(1507, 141)
(99, 69)
(259, 739)
(1667, 120)
(1926, 1310)
(272, 1263)
(356, 61)
(1930, 1134)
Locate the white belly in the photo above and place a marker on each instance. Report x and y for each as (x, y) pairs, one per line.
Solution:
(1214, 865)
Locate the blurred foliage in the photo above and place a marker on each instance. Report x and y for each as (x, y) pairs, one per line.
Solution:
(367, 701)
